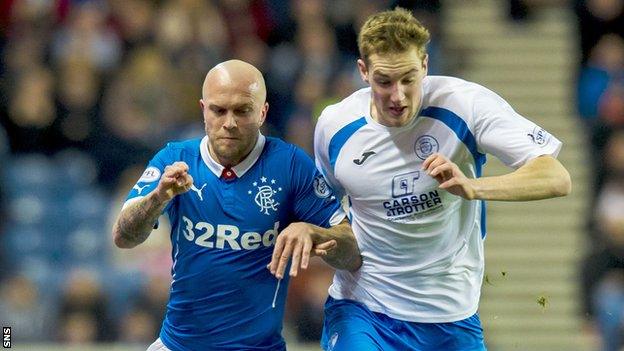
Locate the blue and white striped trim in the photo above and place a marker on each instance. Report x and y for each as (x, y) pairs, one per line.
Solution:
(460, 128)
(339, 139)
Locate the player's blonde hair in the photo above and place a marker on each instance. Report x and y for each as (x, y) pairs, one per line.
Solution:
(392, 31)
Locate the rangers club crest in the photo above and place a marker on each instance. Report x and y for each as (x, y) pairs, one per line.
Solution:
(264, 194)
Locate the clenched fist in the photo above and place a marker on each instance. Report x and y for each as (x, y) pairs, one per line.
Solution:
(174, 181)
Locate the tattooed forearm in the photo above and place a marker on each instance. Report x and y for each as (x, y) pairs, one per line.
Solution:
(346, 254)
(136, 221)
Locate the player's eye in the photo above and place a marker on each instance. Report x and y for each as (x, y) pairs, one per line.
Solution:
(409, 79)
(219, 111)
(244, 111)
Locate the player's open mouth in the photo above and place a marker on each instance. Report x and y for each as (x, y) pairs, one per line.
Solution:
(396, 111)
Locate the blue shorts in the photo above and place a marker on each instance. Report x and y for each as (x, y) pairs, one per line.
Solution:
(350, 326)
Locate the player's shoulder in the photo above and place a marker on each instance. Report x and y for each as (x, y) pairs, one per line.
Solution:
(280, 150)
(190, 144)
(276, 145)
(449, 83)
(450, 88)
(351, 108)
(453, 90)
(283, 155)
(179, 149)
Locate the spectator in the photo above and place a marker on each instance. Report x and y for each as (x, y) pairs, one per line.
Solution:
(142, 319)
(32, 113)
(83, 313)
(77, 103)
(138, 327)
(597, 18)
(24, 309)
(603, 273)
(133, 21)
(600, 106)
(85, 37)
(78, 328)
(600, 81)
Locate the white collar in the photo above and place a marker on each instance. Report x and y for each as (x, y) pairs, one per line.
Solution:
(240, 168)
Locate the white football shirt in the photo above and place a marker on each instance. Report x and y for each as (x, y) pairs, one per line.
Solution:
(422, 247)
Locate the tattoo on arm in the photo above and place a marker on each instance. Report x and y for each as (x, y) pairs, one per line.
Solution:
(135, 223)
(346, 255)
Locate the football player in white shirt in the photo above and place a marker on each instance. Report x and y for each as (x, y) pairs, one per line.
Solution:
(407, 152)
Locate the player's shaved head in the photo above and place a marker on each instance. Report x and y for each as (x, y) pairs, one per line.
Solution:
(234, 107)
(235, 74)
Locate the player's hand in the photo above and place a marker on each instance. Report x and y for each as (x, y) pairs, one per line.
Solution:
(450, 177)
(174, 181)
(323, 248)
(299, 241)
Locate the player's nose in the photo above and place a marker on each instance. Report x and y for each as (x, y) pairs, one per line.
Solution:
(230, 121)
(397, 95)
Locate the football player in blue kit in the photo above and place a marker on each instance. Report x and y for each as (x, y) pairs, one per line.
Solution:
(232, 196)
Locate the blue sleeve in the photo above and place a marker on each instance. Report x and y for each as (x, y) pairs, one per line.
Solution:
(151, 176)
(314, 200)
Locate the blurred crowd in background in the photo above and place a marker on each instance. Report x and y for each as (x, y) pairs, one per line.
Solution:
(91, 89)
(600, 103)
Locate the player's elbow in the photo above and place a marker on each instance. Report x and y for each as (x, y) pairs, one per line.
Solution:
(558, 177)
(563, 184)
(355, 263)
(120, 241)
(352, 260)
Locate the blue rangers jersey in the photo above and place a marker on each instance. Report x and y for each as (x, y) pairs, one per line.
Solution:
(222, 295)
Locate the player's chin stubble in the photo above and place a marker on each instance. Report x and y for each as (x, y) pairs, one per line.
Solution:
(229, 151)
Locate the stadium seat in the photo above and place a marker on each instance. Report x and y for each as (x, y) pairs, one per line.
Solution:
(33, 174)
(76, 168)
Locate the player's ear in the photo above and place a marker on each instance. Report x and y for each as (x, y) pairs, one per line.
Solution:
(202, 105)
(263, 114)
(425, 64)
(363, 70)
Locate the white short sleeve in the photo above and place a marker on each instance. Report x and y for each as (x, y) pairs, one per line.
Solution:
(321, 156)
(504, 133)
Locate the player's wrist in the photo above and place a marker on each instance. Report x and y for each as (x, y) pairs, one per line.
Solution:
(315, 234)
(473, 190)
(162, 197)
